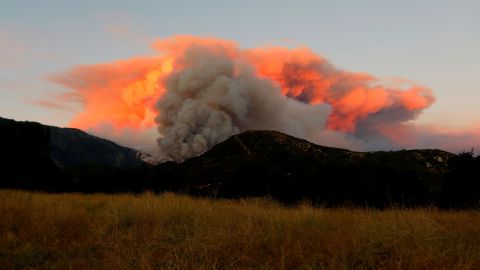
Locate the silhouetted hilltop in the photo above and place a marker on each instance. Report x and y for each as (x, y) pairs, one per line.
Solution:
(35, 154)
(71, 147)
(253, 163)
(67, 147)
(25, 155)
(257, 163)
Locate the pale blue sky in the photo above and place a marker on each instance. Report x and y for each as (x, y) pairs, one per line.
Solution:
(434, 43)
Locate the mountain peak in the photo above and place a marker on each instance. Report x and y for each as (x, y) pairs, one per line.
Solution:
(65, 147)
(253, 163)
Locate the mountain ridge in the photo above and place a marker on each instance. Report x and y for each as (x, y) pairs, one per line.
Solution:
(252, 163)
(291, 167)
(70, 147)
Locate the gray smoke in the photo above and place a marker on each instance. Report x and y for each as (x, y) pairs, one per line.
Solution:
(214, 97)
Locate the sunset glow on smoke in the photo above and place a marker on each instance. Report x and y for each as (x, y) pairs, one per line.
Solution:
(123, 94)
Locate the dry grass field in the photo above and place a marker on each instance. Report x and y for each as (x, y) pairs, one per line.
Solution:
(75, 231)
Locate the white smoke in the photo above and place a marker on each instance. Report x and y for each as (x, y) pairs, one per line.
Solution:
(214, 97)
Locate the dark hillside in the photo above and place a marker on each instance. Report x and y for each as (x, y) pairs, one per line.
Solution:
(253, 163)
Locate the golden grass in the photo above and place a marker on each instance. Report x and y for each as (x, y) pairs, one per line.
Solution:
(74, 231)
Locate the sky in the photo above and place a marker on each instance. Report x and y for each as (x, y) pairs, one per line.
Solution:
(432, 43)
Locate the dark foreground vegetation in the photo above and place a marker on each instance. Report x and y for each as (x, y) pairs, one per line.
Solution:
(251, 164)
(146, 231)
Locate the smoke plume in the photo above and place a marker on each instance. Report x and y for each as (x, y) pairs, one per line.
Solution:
(198, 92)
(213, 97)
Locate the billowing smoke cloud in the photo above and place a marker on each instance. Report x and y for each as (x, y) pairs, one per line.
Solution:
(199, 91)
(119, 94)
(354, 97)
(214, 97)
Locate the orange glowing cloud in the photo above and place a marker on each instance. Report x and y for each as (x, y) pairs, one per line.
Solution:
(123, 93)
(120, 93)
